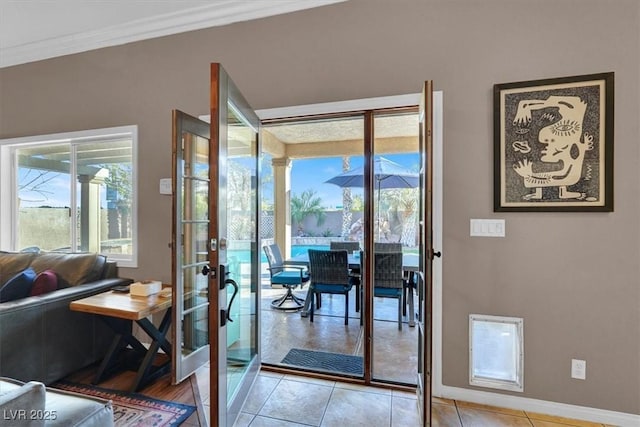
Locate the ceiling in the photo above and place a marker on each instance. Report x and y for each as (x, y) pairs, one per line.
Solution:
(345, 129)
(32, 30)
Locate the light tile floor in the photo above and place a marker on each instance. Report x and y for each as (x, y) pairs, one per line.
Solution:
(290, 401)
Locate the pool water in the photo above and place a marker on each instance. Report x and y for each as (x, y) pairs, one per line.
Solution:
(244, 256)
(302, 249)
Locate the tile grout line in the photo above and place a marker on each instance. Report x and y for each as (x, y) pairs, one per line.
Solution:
(326, 407)
(391, 410)
(455, 404)
(268, 397)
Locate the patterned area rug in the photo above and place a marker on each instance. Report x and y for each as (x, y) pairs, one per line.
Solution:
(333, 362)
(133, 409)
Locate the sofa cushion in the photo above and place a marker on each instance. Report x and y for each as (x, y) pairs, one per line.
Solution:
(22, 404)
(73, 268)
(12, 263)
(46, 281)
(62, 283)
(18, 286)
(49, 406)
(73, 409)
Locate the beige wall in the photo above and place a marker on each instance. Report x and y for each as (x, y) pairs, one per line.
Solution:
(573, 277)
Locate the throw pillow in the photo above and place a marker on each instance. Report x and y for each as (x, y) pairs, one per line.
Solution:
(18, 286)
(47, 281)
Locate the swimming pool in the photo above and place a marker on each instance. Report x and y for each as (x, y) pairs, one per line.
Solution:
(302, 249)
(244, 255)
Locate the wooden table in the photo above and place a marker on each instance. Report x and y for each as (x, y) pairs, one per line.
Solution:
(119, 310)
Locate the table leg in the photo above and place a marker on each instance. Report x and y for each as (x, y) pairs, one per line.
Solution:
(121, 340)
(307, 302)
(117, 345)
(147, 372)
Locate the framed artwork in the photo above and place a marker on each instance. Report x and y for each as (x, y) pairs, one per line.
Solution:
(553, 144)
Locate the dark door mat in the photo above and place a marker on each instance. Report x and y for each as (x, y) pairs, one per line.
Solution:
(333, 362)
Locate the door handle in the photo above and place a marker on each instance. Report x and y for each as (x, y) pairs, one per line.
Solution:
(206, 270)
(211, 272)
(437, 254)
(225, 315)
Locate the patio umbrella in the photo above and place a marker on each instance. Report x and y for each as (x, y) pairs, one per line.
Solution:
(386, 174)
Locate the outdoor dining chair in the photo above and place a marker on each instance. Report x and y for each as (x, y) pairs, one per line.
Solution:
(288, 276)
(409, 279)
(355, 273)
(388, 279)
(347, 246)
(329, 275)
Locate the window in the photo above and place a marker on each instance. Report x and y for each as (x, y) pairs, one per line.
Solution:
(73, 192)
(496, 352)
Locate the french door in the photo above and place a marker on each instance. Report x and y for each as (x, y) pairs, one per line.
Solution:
(215, 247)
(425, 278)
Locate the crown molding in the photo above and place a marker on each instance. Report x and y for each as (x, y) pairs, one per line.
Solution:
(212, 15)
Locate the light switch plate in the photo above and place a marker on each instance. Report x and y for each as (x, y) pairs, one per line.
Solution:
(165, 186)
(487, 228)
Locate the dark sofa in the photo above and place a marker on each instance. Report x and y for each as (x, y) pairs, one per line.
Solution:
(41, 339)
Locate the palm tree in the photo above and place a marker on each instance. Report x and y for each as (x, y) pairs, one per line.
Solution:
(403, 203)
(347, 200)
(305, 205)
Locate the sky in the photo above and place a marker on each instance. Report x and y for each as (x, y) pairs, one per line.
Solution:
(312, 173)
(43, 189)
(306, 174)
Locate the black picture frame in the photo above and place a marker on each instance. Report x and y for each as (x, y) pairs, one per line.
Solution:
(553, 144)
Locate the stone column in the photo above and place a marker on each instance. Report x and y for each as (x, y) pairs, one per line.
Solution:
(90, 213)
(282, 204)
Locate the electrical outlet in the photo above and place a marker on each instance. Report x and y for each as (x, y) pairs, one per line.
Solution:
(579, 369)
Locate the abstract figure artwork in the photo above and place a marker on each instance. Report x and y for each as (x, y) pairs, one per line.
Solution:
(553, 148)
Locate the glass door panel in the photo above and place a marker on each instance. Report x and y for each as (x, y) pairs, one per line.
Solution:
(314, 200)
(190, 243)
(235, 357)
(242, 255)
(396, 195)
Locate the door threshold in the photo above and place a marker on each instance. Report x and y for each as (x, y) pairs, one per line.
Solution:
(337, 377)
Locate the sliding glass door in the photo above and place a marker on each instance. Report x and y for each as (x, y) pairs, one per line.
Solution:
(346, 181)
(396, 252)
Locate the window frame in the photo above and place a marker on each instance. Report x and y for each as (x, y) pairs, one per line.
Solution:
(8, 184)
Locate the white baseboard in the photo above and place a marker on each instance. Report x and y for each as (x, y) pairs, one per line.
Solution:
(541, 406)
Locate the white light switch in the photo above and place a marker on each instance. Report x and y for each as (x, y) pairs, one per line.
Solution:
(165, 186)
(487, 227)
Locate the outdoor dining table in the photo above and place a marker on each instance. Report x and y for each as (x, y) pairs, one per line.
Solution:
(410, 263)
